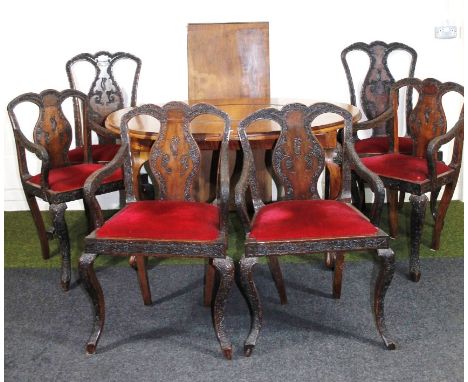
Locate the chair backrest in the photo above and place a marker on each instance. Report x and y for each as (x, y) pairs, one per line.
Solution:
(228, 60)
(105, 94)
(52, 130)
(298, 157)
(175, 156)
(375, 90)
(427, 120)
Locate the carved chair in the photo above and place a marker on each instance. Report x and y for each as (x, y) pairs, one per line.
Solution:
(173, 225)
(300, 222)
(422, 171)
(105, 96)
(374, 99)
(59, 181)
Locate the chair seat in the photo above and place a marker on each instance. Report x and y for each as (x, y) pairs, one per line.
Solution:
(380, 145)
(309, 219)
(73, 177)
(164, 220)
(99, 153)
(404, 167)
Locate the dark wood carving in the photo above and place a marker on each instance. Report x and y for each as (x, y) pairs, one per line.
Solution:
(105, 94)
(174, 163)
(375, 90)
(298, 161)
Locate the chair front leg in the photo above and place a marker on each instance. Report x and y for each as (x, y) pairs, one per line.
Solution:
(418, 213)
(92, 286)
(384, 278)
(225, 267)
(250, 290)
(39, 223)
(60, 228)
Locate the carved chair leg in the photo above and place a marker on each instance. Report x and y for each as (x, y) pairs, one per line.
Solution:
(210, 274)
(92, 286)
(384, 278)
(277, 275)
(142, 272)
(338, 275)
(250, 290)
(392, 204)
(441, 212)
(225, 267)
(418, 212)
(330, 260)
(60, 227)
(39, 223)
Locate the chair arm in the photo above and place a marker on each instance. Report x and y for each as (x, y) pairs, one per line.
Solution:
(365, 125)
(94, 181)
(39, 151)
(434, 146)
(102, 131)
(372, 179)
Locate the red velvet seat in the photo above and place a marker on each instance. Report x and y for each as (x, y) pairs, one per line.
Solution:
(100, 153)
(164, 220)
(73, 177)
(404, 167)
(309, 219)
(380, 145)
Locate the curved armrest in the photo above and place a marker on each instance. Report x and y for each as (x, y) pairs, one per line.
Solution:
(102, 131)
(434, 146)
(94, 181)
(372, 179)
(39, 151)
(385, 116)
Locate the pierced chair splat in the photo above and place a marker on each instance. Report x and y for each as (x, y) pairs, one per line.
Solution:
(59, 181)
(374, 99)
(105, 96)
(173, 225)
(300, 222)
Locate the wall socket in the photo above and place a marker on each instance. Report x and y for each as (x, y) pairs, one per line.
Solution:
(449, 31)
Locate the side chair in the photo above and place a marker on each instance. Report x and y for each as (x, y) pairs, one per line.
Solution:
(175, 224)
(421, 171)
(60, 180)
(300, 222)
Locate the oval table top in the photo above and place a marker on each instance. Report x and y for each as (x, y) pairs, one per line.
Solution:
(209, 128)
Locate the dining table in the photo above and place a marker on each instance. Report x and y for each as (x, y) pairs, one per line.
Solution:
(262, 135)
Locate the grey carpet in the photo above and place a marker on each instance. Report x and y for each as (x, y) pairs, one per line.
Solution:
(312, 338)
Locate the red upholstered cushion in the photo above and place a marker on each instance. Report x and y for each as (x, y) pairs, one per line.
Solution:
(379, 145)
(100, 153)
(163, 220)
(401, 166)
(73, 177)
(309, 219)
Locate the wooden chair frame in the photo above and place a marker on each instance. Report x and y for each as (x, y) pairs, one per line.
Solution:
(297, 116)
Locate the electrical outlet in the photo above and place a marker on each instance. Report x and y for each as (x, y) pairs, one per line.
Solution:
(449, 31)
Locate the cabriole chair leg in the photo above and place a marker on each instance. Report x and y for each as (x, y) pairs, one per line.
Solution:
(418, 213)
(61, 231)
